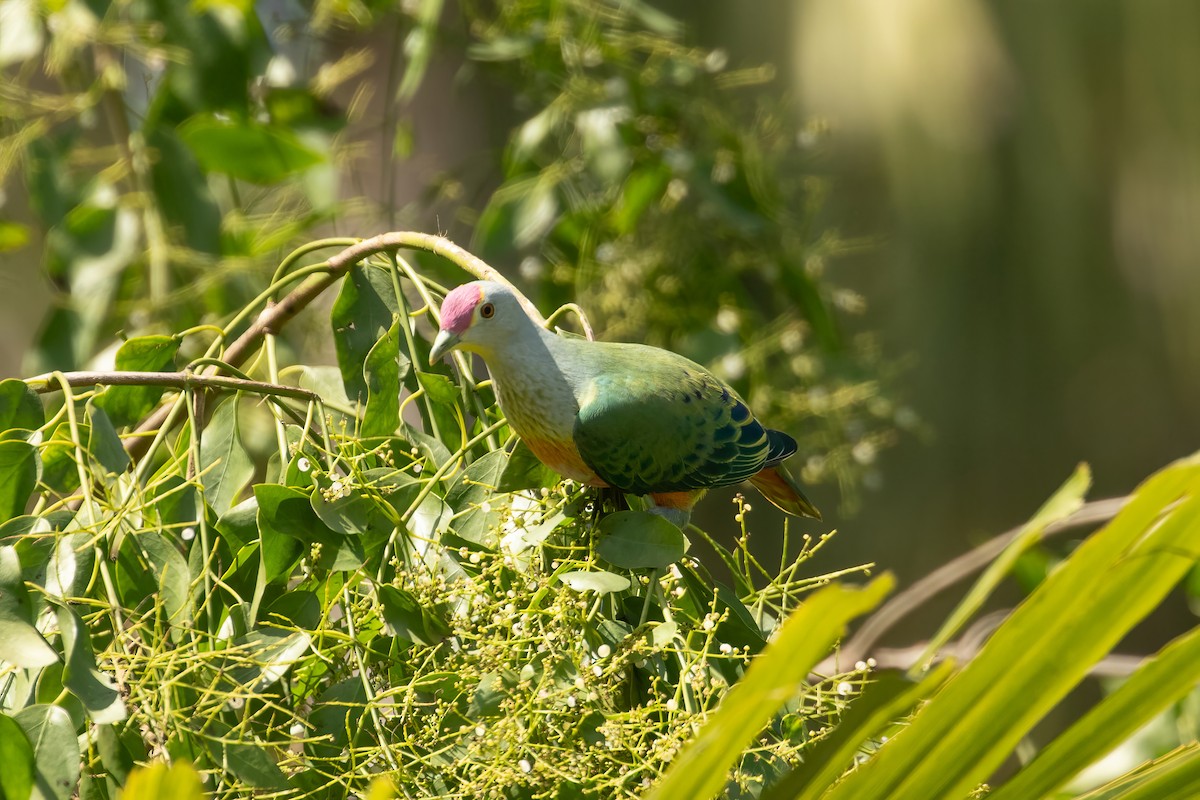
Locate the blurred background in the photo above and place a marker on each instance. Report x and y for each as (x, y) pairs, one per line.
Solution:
(1009, 215)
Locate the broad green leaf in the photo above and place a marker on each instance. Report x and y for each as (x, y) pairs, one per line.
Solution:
(55, 749)
(362, 314)
(226, 466)
(1161, 681)
(440, 389)
(525, 471)
(20, 641)
(286, 521)
(16, 754)
(172, 574)
(431, 517)
(18, 477)
(248, 760)
(470, 491)
(104, 444)
(59, 471)
(121, 747)
(69, 568)
(777, 675)
(19, 406)
(639, 540)
(97, 691)
(406, 617)
(1041, 652)
(300, 608)
(337, 714)
(126, 405)
(597, 581)
(381, 373)
(326, 382)
(250, 151)
(345, 510)
(271, 651)
(179, 781)
(1066, 501)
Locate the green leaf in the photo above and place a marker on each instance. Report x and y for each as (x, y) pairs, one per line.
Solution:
(250, 762)
(348, 512)
(20, 641)
(16, 754)
(381, 373)
(470, 491)
(19, 407)
(440, 389)
(362, 314)
(55, 748)
(272, 652)
(179, 781)
(127, 405)
(18, 477)
(1175, 776)
(97, 691)
(887, 697)
(223, 460)
(325, 381)
(1044, 649)
(597, 581)
(104, 443)
(171, 572)
(337, 714)
(778, 674)
(250, 151)
(406, 617)
(525, 471)
(121, 747)
(1160, 682)
(286, 521)
(1066, 501)
(639, 540)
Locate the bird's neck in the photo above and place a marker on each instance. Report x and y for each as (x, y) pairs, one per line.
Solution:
(535, 382)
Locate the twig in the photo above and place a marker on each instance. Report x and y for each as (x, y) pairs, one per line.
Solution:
(858, 646)
(44, 384)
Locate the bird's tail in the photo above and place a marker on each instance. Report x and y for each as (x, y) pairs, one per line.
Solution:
(779, 487)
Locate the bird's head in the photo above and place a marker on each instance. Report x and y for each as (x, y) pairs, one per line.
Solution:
(476, 317)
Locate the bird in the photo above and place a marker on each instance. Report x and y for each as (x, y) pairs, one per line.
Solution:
(631, 417)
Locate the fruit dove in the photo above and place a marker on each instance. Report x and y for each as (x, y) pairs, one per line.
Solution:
(640, 419)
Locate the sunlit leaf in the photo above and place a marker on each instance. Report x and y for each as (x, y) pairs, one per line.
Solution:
(16, 754)
(179, 781)
(97, 691)
(20, 641)
(597, 581)
(19, 406)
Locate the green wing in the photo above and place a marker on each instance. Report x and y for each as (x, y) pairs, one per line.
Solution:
(668, 428)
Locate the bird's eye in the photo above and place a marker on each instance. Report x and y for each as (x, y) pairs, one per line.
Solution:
(487, 311)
